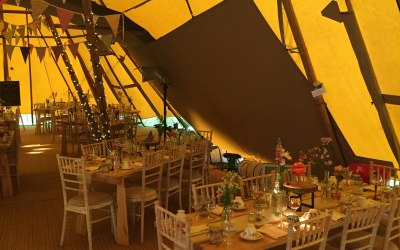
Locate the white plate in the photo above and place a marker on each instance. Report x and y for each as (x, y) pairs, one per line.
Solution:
(122, 168)
(258, 236)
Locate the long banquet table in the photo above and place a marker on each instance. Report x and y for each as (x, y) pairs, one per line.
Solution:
(201, 241)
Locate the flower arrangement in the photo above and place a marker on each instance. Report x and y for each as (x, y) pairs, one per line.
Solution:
(318, 156)
(281, 155)
(231, 183)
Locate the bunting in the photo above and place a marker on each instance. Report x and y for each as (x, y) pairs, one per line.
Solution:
(2, 25)
(107, 39)
(21, 32)
(38, 6)
(41, 51)
(30, 47)
(9, 50)
(57, 51)
(8, 36)
(95, 18)
(17, 37)
(113, 21)
(25, 43)
(13, 29)
(73, 47)
(24, 52)
(65, 17)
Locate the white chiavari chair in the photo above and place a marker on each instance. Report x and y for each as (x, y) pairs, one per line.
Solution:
(172, 179)
(172, 231)
(148, 192)
(77, 197)
(309, 233)
(265, 182)
(359, 228)
(97, 148)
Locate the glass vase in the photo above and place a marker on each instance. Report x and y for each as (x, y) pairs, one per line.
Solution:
(227, 224)
(325, 187)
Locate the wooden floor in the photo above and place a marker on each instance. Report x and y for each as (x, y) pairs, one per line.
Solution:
(32, 219)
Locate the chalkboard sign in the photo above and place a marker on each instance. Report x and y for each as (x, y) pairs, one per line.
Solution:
(9, 93)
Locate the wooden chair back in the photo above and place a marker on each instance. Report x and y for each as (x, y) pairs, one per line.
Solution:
(388, 175)
(113, 144)
(98, 148)
(363, 219)
(392, 231)
(73, 178)
(264, 182)
(176, 157)
(171, 228)
(206, 192)
(309, 232)
(152, 171)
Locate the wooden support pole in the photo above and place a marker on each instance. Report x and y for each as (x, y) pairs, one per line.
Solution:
(305, 58)
(82, 97)
(98, 90)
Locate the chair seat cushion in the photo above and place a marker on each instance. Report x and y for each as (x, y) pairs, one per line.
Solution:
(134, 193)
(94, 198)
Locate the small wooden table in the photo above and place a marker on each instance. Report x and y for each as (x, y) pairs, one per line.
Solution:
(300, 188)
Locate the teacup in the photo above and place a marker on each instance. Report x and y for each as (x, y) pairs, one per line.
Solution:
(238, 202)
(250, 231)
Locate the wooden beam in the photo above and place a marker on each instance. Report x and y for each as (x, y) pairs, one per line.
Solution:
(367, 70)
(391, 99)
(305, 58)
(98, 90)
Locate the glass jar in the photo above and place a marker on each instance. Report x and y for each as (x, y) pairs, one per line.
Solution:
(358, 184)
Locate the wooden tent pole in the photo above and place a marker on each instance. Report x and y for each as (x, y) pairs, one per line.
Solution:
(98, 90)
(368, 73)
(310, 73)
(30, 72)
(83, 98)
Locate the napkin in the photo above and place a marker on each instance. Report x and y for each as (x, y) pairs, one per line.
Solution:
(92, 168)
(337, 215)
(199, 229)
(272, 231)
(217, 210)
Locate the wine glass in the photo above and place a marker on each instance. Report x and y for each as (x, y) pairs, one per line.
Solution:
(254, 188)
(197, 204)
(294, 202)
(376, 180)
(210, 205)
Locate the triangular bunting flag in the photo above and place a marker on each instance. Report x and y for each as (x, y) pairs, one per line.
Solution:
(57, 51)
(38, 6)
(21, 32)
(95, 18)
(24, 43)
(73, 47)
(9, 50)
(13, 28)
(17, 37)
(25, 52)
(65, 17)
(41, 51)
(332, 11)
(1, 26)
(8, 36)
(107, 39)
(113, 21)
(30, 47)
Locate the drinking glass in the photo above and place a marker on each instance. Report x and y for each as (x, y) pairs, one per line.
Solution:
(294, 202)
(210, 205)
(229, 228)
(254, 188)
(376, 180)
(197, 204)
(282, 206)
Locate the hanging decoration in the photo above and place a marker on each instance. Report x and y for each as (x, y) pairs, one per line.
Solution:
(24, 52)
(73, 47)
(38, 7)
(107, 39)
(41, 52)
(113, 21)
(65, 17)
(21, 32)
(30, 48)
(57, 51)
(17, 38)
(9, 50)
(8, 36)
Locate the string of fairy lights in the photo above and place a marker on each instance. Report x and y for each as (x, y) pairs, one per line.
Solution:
(93, 126)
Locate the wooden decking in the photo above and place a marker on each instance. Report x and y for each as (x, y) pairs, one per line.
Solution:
(32, 219)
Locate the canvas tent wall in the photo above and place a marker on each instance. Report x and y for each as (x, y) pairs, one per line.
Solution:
(253, 24)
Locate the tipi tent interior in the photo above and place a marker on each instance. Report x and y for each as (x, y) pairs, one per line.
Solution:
(246, 74)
